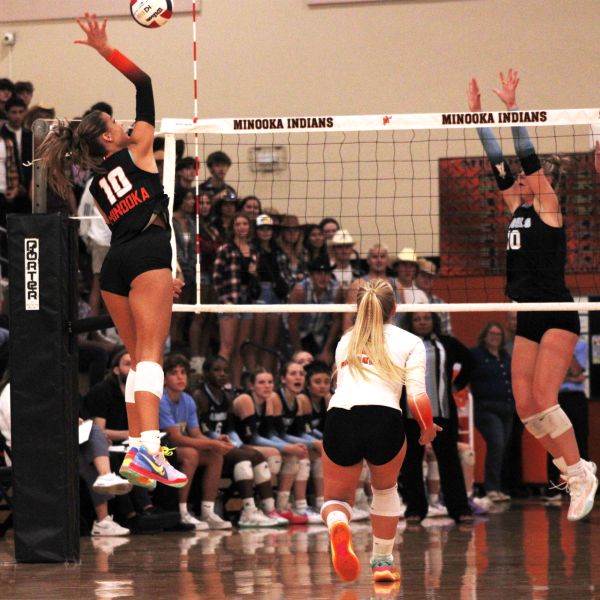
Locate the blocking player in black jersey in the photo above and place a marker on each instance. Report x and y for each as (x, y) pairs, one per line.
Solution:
(545, 340)
(136, 281)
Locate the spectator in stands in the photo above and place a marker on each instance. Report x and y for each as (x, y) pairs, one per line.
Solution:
(510, 330)
(243, 463)
(574, 402)
(251, 207)
(6, 91)
(377, 261)
(218, 164)
(276, 283)
(426, 276)
(22, 140)
(275, 215)
(224, 209)
(185, 174)
(106, 108)
(234, 270)
(316, 332)
(493, 403)
(406, 267)
(314, 243)
(105, 403)
(9, 181)
(38, 111)
(179, 418)
(204, 325)
(290, 241)
(303, 358)
(24, 90)
(443, 352)
(184, 228)
(341, 248)
(329, 227)
(96, 235)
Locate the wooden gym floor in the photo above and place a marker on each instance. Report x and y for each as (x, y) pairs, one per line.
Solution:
(526, 552)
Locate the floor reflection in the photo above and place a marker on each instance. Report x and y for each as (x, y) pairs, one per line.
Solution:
(529, 551)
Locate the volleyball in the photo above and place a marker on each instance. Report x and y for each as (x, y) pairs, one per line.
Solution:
(151, 13)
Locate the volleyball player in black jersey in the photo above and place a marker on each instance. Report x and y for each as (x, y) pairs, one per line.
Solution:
(535, 261)
(136, 281)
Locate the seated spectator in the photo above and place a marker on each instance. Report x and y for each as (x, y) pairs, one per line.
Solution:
(9, 182)
(38, 111)
(426, 276)
(245, 464)
(377, 261)
(105, 403)
(406, 266)
(314, 243)
(251, 207)
(179, 418)
(185, 174)
(341, 249)
(24, 90)
(6, 91)
(329, 227)
(235, 266)
(443, 352)
(315, 332)
(218, 164)
(302, 357)
(318, 391)
(493, 403)
(254, 419)
(276, 283)
(224, 210)
(290, 241)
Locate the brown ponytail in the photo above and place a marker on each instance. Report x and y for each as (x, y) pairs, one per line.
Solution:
(64, 147)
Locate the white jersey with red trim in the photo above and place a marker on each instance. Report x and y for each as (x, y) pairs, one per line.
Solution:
(405, 350)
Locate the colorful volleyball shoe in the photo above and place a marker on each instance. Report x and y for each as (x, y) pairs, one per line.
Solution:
(384, 570)
(131, 476)
(157, 467)
(345, 562)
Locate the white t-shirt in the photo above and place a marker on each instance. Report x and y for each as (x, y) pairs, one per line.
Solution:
(405, 349)
(413, 295)
(5, 417)
(92, 230)
(3, 185)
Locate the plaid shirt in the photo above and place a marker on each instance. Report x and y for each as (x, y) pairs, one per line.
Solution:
(12, 172)
(227, 274)
(285, 269)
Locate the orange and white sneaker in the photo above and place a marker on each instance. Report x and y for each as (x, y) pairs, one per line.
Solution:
(132, 477)
(583, 492)
(345, 562)
(384, 570)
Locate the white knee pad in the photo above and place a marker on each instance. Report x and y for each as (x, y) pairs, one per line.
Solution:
(317, 468)
(303, 470)
(386, 503)
(337, 503)
(553, 422)
(290, 466)
(149, 377)
(262, 473)
(242, 471)
(433, 470)
(274, 463)
(467, 458)
(130, 387)
(364, 473)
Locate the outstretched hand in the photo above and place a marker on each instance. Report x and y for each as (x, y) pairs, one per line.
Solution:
(508, 93)
(96, 35)
(474, 96)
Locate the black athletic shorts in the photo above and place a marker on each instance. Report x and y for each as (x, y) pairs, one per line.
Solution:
(375, 433)
(148, 251)
(533, 325)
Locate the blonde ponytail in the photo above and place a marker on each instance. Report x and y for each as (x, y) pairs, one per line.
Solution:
(376, 303)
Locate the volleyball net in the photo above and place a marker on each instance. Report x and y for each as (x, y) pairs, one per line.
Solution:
(407, 181)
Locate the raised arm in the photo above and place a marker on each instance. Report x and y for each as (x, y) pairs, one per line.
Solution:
(142, 136)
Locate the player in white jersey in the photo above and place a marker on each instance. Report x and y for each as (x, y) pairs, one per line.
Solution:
(374, 361)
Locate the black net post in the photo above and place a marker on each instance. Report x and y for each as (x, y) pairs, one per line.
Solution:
(44, 387)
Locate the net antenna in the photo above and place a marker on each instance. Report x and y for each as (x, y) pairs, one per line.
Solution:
(420, 181)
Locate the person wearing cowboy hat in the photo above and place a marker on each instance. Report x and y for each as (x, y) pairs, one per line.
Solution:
(290, 241)
(315, 332)
(406, 267)
(341, 248)
(426, 276)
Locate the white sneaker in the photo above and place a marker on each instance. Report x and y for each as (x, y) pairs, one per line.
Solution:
(583, 492)
(359, 514)
(437, 509)
(108, 527)
(313, 516)
(190, 519)
(497, 496)
(256, 518)
(214, 521)
(111, 483)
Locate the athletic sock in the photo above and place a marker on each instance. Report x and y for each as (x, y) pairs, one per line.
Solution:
(282, 500)
(301, 504)
(382, 548)
(134, 442)
(335, 516)
(183, 509)
(268, 504)
(577, 470)
(319, 501)
(151, 439)
(248, 504)
(208, 508)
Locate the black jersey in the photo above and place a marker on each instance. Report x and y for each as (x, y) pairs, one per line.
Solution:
(128, 196)
(217, 417)
(259, 422)
(319, 414)
(292, 424)
(535, 259)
